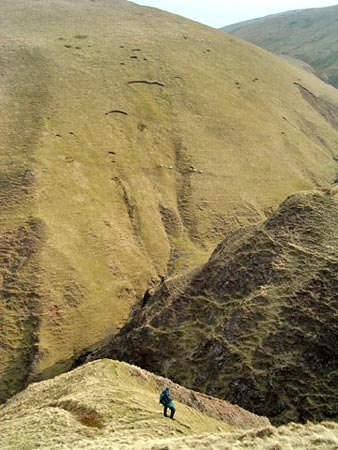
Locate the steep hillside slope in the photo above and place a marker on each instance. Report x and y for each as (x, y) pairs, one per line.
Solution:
(309, 35)
(257, 325)
(112, 405)
(131, 141)
(111, 400)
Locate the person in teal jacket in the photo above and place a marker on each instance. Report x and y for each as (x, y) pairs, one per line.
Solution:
(167, 402)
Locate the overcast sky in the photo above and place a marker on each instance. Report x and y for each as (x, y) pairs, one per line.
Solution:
(218, 13)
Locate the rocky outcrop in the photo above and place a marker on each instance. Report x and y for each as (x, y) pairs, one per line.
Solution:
(257, 324)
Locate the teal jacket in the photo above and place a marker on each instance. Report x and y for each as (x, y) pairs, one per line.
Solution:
(165, 398)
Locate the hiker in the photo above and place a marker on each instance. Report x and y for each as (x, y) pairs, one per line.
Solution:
(167, 402)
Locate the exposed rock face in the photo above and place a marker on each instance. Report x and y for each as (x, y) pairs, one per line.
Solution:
(131, 141)
(258, 324)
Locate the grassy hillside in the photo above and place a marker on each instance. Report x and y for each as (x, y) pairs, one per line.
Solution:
(131, 141)
(112, 405)
(309, 35)
(258, 322)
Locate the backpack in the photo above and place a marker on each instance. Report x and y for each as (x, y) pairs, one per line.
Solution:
(164, 398)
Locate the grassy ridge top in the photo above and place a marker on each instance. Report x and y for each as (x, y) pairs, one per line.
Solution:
(111, 402)
(108, 404)
(309, 35)
(131, 141)
(257, 322)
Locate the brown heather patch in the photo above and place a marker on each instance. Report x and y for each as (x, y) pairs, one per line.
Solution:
(84, 414)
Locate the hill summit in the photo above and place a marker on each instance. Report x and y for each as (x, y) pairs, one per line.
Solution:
(257, 324)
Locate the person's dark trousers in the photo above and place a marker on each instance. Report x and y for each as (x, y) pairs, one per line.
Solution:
(172, 409)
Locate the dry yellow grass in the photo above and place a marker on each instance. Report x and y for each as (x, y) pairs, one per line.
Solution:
(106, 184)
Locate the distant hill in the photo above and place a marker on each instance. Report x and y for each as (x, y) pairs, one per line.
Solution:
(131, 142)
(234, 26)
(310, 35)
(257, 324)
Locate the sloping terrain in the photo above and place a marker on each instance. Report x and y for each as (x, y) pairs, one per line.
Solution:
(107, 404)
(257, 324)
(309, 35)
(108, 400)
(131, 142)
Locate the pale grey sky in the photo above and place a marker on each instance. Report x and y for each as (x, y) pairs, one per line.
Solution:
(218, 13)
